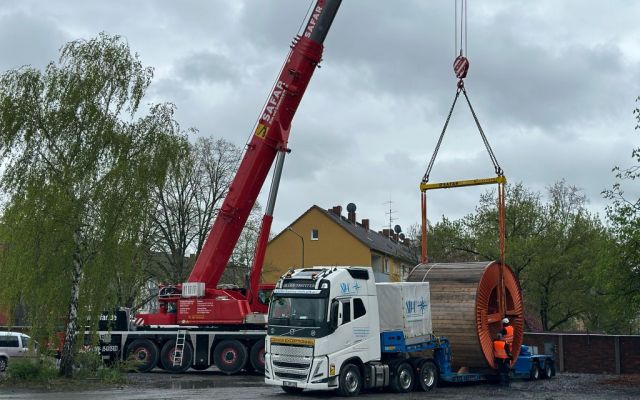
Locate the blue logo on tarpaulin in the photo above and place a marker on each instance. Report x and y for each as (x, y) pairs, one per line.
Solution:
(350, 288)
(416, 308)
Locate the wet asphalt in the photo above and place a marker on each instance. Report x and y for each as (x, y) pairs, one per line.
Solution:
(215, 385)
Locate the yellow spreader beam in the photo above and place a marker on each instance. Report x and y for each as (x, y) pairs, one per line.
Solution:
(471, 182)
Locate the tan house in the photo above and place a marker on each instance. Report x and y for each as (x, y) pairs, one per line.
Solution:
(326, 237)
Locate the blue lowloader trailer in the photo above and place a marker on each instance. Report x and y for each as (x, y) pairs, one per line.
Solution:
(439, 368)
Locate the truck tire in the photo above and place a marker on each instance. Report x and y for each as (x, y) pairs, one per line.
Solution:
(534, 374)
(350, 381)
(427, 376)
(167, 354)
(403, 379)
(230, 356)
(292, 390)
(143, 353)
(547, 372)
(3, 364)
(256, 356)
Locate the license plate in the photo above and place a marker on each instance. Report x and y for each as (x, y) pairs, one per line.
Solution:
(289, 383)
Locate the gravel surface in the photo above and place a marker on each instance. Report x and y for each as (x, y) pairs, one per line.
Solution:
(214, 385)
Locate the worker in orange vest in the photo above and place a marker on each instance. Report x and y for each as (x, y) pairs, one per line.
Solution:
(507, 332)
(502, 355)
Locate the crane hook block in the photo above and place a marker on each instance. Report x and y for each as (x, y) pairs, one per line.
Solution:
(461, 66)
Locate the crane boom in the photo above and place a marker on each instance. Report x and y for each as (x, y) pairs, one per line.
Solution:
(270, 137)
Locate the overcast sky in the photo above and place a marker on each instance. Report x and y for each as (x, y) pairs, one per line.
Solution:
(553, 83)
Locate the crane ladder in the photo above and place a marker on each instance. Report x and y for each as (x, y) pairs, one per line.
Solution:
(178, 351)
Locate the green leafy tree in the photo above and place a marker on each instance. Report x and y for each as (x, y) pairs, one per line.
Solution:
(524, 223)
(624, 216)
(450, 241)
(80, 159)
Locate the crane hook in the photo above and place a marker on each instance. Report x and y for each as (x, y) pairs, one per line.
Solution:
(461, 67)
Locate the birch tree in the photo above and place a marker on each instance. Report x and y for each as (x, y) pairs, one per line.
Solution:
(80, 157)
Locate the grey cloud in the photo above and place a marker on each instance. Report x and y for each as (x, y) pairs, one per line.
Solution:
(28, 40)
(207, 67)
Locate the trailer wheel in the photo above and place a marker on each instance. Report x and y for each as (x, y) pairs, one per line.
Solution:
(350, 381)
(403, 379)
(257, 356)
(169, 352)
(547, 373)
(144, 354)
(534, 374)
(230, 356)
(427, 376)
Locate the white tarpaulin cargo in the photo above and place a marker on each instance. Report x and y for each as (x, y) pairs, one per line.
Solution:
(405, 306)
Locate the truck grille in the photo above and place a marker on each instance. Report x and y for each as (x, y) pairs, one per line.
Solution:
(292, 362)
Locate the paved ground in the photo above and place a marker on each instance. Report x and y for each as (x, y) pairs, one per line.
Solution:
(213, 385)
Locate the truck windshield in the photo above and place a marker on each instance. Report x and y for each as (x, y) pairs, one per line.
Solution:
(298, 311)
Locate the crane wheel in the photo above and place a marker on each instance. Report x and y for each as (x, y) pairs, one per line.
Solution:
(256, 356)
(143, 353)
(230, 356)
(169, 352)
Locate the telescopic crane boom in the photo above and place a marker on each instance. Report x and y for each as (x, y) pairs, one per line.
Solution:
(199, 301)
(270, 138)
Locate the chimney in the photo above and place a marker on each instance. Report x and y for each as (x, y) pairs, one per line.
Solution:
(386, 232)
(365, 224)
(337, 210)
(352, 217)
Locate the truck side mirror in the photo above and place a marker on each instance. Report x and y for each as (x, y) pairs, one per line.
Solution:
(333, 315)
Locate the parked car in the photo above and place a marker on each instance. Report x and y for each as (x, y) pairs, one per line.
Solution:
(14, 344)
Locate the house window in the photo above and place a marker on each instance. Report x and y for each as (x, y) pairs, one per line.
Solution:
(314, 234)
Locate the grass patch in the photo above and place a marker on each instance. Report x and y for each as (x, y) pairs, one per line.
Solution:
(33, 370)
(89, 370)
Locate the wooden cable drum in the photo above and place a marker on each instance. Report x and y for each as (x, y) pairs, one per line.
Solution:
(466, 308)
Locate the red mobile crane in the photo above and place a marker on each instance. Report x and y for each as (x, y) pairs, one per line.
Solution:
(199, 323)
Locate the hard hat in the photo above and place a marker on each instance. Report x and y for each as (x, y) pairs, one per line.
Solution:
(505, 321)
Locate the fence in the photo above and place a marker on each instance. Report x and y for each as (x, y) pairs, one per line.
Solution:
(590, 353)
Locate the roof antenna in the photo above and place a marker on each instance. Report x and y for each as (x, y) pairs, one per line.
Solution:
(391, 217)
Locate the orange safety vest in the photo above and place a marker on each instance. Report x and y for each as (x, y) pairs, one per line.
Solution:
(508, 336)
(499, 350)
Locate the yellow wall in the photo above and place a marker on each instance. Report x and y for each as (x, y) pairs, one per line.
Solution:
(335, 246)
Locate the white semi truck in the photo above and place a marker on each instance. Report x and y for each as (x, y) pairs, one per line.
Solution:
(334, 328)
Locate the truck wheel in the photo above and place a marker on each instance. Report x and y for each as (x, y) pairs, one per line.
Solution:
(3, 364)
(230, 356)
(402, 381)
(257, 356)
(534, 374)
(427, 376)
(292, 390)
(169, 352)
(350, 381)
(143, 353)
(547, 373)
